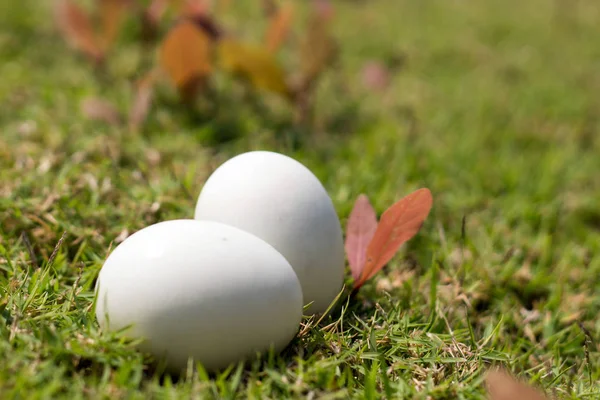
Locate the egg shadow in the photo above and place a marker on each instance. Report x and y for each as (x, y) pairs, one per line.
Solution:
(306, 343)
(246, 368)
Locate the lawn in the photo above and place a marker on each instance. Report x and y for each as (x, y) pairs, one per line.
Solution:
(493, 105)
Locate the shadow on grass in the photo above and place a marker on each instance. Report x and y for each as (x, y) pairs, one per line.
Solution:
(221, 117)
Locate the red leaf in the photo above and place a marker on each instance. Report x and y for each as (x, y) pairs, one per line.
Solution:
(502, 386)
(398, 224)
(142, 101)
(77, 29)
(360, 229)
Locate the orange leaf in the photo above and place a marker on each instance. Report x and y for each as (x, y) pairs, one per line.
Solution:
(502, 386)
(398, 224)
(112, 13)
(142, 100)
(279, 27)
(185, 54)
(360, 229)
(254, 64)
(76, 28)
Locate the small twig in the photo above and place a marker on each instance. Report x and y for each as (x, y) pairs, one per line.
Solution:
(29, 247)
(14, 325)
(454, 341)
(508, 255)
(110, 245)
(56, 248)
(76, 285)
(463, 243)
(586, 348)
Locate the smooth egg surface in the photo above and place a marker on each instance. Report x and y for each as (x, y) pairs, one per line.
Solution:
(199, 289)
(281, 201)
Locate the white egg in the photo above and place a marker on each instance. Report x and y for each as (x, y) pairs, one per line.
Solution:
(279, 200)
(199, 289)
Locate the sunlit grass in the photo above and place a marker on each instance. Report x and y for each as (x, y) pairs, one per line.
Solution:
(492, 105)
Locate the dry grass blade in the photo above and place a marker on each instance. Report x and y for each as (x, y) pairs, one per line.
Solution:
(361, 227)
(142, 100)
(77, 29)
(101, 110)
(398, 224)
(56, 248)
(503, 386)
(279, 27)
(29, 247)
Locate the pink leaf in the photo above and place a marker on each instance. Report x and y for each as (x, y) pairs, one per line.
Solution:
(361, 227)
(375, 76)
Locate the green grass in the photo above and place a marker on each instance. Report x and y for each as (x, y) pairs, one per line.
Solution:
(494, 106)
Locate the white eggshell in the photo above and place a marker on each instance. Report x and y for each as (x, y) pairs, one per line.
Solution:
(199, 289)
(279, 200)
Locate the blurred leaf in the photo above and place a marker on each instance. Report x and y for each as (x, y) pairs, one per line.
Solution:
(360, 229)
(154, 12)
(185, 55)
(317, 51)
(398, 224)
(76, 27)
(269, 7)
(375, 76)
(279, 27)
(194, 8)
(254, 64)
(112, 15)
(318, 47)
(323, 8)
(503, 386)
(100, 110)
(142, 100)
